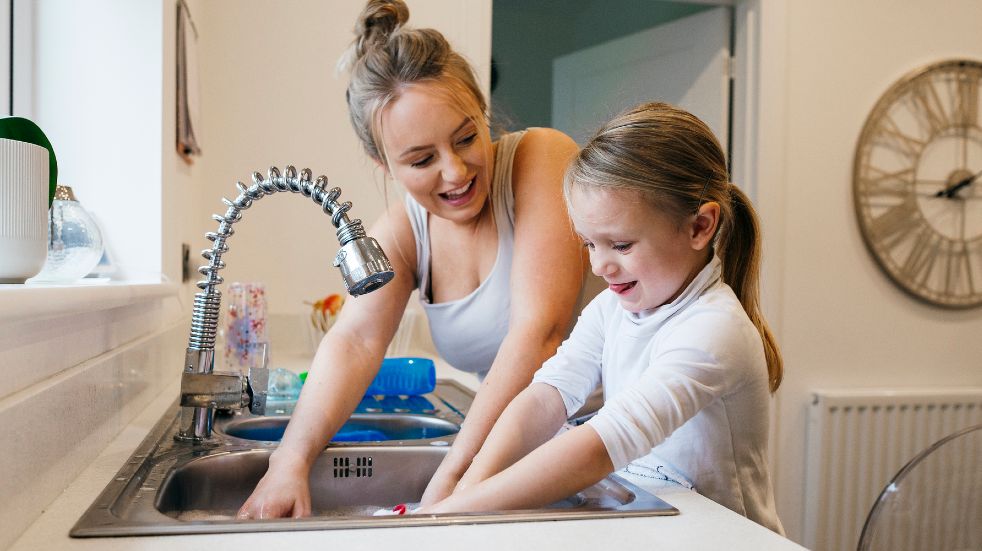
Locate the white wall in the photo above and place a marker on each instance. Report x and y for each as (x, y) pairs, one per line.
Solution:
(90, 358)
(840, 322)
(104, 119)
(269, 96)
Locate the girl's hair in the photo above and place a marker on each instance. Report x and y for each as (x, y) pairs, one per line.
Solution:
(673, 160)
(386, 56)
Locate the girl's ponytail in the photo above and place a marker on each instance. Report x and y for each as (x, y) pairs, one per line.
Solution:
(738, 247)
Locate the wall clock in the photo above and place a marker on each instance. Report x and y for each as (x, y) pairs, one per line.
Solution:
(917, 183)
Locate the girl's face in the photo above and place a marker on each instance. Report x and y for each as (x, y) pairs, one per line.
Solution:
(645, 258)
(439, 154)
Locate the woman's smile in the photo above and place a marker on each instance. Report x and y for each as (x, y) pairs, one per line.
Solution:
(461, 195)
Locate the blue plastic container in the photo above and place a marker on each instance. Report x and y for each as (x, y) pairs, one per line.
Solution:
(404, 376)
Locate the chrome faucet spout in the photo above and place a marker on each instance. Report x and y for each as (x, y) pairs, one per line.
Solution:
(364, 268)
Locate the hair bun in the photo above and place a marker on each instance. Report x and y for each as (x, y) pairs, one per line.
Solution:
(378, 21)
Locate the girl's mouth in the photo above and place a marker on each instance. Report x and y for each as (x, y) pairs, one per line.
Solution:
(622, 288)
(461, 195)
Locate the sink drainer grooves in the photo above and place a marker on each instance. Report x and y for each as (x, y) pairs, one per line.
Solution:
(363, 467)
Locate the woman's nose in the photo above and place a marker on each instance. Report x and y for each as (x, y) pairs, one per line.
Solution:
(454, 169)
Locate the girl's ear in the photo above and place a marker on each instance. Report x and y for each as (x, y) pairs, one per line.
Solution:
(704, 223)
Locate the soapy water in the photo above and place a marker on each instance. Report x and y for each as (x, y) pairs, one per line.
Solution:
(198, 515)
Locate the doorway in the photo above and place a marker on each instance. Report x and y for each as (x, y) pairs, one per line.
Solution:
(573, 64)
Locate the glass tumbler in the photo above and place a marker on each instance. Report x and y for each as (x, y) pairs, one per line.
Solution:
(245, 325)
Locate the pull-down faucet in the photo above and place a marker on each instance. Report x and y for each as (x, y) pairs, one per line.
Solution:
(363, 266)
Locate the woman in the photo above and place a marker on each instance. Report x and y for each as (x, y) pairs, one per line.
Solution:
(483, 235)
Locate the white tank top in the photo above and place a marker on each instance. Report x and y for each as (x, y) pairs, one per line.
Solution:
(468, 331)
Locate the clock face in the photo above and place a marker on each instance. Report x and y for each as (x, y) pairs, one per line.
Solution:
(917, 183)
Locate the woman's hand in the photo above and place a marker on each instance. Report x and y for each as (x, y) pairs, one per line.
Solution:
(283, 492)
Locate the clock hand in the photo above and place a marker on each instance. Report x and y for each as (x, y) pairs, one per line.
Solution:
(951, 190)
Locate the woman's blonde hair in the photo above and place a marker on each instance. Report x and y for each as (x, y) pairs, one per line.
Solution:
(386, 56)
(673, 160)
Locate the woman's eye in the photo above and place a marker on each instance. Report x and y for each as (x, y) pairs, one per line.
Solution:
(588, 245)
(467, 140)
(422, 162)
(621, 247)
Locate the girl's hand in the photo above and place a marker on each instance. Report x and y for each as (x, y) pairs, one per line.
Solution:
(283, 492)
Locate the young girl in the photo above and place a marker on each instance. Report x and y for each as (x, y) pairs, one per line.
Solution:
(686, 358)
(482, 236)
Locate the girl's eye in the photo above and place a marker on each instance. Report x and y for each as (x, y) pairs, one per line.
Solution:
(467, 140)
(588, 245)
(422, 162)
(621, 247)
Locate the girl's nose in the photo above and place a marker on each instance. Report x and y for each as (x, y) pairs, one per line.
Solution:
(601, 264)
(454, 169)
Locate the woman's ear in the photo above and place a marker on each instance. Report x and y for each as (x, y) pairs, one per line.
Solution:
(381, 165)
(704, 223)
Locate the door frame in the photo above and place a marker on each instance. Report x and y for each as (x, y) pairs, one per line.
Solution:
(758, 111)
(759, 164)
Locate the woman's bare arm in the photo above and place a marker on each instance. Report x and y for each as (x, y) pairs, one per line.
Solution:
(547, 273)
(346, 361)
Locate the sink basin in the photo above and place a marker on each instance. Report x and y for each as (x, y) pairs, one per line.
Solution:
(349, 481)
(169, 487)
(361, 427)
(347, 485)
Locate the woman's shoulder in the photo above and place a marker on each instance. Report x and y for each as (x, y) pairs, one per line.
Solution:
(540, 161)
(545, 141)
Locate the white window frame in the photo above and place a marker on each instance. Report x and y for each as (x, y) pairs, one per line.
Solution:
(5, 34)
(18, 24)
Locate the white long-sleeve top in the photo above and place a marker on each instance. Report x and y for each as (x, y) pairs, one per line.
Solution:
(685, 390)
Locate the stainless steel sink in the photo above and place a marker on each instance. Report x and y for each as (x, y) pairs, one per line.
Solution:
(361, 427)
(170, 487)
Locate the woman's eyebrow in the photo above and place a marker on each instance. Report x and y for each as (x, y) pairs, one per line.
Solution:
(416, 148)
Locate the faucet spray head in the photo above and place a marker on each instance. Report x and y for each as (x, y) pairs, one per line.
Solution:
(363, 266)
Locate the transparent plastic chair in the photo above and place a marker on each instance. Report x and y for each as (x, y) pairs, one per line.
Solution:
(934, 502)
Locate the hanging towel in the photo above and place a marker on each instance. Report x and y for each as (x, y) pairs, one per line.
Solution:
(187, 84)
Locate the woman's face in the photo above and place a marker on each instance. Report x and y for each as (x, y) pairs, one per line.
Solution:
(439, 154)
(646, 259)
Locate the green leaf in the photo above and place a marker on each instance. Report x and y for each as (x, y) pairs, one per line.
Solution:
(24, 130)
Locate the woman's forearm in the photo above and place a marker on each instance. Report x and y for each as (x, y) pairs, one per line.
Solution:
(532, 418)
(330, 394)
(520, 355)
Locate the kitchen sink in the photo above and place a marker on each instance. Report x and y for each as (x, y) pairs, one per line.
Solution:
(361, 427)
(170, 487)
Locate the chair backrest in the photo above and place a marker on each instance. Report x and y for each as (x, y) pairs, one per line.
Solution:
(934, 502)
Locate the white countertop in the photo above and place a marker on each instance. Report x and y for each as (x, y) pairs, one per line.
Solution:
(702, 524)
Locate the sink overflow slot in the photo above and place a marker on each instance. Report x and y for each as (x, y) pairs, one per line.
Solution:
(343, 468)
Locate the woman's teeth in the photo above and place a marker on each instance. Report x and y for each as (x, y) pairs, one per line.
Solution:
(459, 192)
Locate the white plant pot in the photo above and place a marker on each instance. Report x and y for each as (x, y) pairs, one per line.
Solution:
(23, 210)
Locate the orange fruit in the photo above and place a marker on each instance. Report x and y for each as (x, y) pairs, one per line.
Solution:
(333, 303)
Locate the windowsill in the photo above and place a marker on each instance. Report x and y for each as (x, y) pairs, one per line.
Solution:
(37, 301)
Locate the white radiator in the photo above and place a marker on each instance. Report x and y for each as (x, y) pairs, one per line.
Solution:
(859, 439)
